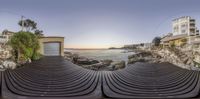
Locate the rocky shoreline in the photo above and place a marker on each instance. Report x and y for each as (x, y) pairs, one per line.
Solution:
(184, 59)
(107, 64)
(187, 59)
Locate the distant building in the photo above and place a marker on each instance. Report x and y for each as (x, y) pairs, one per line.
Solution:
(131, 46)
(5, 36)
(184, 31)
(147, 45)
(140, 46)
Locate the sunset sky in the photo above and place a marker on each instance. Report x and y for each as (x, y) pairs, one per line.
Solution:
(99, 23)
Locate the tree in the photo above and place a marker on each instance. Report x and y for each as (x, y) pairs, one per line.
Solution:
(25, 44)
(39, 33)
(156, 41)
(28, 24)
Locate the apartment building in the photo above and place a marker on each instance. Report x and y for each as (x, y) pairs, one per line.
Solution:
(184, 31)
(184, 25)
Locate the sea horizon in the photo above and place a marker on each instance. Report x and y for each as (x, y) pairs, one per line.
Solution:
(103, 54)
(89, 48)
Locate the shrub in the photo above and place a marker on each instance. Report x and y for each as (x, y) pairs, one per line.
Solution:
(25, 44)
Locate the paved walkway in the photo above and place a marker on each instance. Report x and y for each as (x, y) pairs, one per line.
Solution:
(55, 78)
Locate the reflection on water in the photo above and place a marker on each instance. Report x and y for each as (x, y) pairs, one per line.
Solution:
(101, 54)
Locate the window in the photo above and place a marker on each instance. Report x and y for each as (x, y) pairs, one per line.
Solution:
(183, 25)
(183, 31)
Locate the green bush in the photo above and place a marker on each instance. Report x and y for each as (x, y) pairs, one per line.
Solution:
(36, 56)
(25, 44)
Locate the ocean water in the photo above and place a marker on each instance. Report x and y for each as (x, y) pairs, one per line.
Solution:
(102, 54)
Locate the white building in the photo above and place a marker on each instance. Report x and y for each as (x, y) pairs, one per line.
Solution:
(4, 48)
(184, 31)
(184, 25)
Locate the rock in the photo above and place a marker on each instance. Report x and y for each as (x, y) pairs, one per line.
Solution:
(197, 57)
(86, 61)
(82, 61)
(106, 62)
(144, 57)
(92, 61)
(134, 60)
(9, 64)
(70, 56)
(132, 56)
(97, 66)
(118, 65)
(1, 67)
(67, 53)
(190, 62)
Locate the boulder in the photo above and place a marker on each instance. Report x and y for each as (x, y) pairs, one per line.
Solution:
(9, 64)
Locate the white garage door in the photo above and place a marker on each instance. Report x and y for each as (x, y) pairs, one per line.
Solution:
(52, 49)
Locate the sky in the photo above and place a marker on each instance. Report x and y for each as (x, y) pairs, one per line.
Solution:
(99, 23)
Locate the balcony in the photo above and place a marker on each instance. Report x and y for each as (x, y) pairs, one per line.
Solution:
(192, 26)
(192, 20)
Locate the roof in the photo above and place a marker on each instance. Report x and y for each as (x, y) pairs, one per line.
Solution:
(174, 37)
(7, 32)
(181, 18)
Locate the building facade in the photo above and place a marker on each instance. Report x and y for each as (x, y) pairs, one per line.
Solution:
(51, 46)
(184, 31)
(5, 50)
(184, 25)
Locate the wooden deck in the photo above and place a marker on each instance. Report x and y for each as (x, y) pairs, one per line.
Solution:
(55, 78)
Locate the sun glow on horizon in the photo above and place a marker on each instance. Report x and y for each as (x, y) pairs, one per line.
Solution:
(96, 46)
(96, 39)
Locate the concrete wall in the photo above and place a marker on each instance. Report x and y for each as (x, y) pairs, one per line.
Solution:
(43, 40)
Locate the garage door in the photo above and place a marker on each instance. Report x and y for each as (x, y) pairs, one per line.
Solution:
(52, 49)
